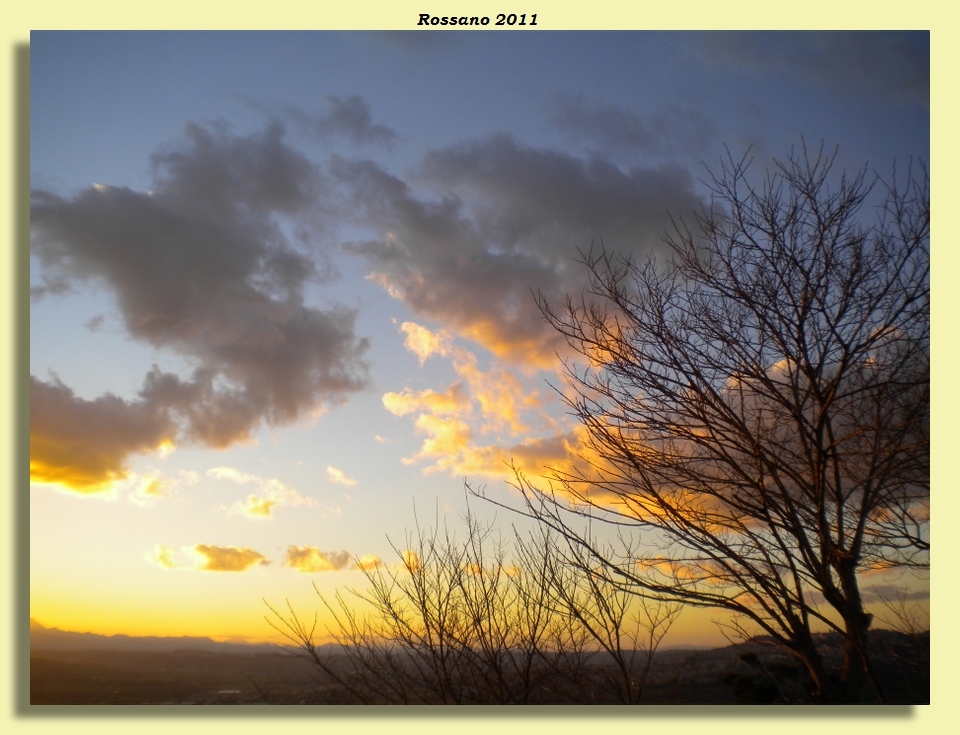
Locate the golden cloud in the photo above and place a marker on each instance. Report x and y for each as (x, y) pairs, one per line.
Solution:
(411, 561)
(83, 445)
(161, 556)
(259, 507)
(228, 558)
(369, 561)
(312, 559)
(447, 438)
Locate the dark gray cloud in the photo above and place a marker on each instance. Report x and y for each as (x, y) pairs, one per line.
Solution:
(506, 220)
(202, 266)
(84, 444)
(350, 117)
(890, 65)
(345, 117)
(613, 129)
(892, 593)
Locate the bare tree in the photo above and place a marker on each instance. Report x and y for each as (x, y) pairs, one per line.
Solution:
(758, 407)
(481, 621)
(626, 629)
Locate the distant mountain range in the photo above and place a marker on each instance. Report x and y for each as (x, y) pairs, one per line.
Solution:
(43, 638)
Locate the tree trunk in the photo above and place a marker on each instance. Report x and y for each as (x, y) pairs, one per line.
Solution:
(857, 683)
(823, 688)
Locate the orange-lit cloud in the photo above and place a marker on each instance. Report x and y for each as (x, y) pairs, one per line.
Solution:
(311, 559)
(369, 561)
(83, 445)
(507, 225)
(453, 447)
(411, 560)
(424, 343)
(451, 402)
(447, 438)
(536, 351)
(481, 402)
(228, 558)
(500, 394)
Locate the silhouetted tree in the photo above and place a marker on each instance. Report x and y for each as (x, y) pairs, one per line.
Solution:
(481, 621)
(757, 407)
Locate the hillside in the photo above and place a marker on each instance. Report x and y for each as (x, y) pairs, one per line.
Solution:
(82, 668)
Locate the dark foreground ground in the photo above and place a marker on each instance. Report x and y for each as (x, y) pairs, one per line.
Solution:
(744, 674)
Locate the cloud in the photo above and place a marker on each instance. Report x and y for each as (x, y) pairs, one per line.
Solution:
(228, 558)
(892, 593)
(452, 402)
(272, 493)
(891, 65)
(500, 395)
(339, 478)
(452, 446)
(456, 453)
(344, 117)
(497, 402)
(163, 557)
(505, 222)
(206, 558)
(368, 562)
(481, 402)
(150, 489)
(424, 343)
(201, 266)
(311, 559)
(257, 507)
(351, 118)
(411, 561)
(84, 444)
(147, 490)
(447, 438)
(613, 129)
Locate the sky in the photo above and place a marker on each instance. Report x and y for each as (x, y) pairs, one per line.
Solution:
(282, 284)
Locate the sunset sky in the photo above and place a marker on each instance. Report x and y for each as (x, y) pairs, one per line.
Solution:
(282, 284)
